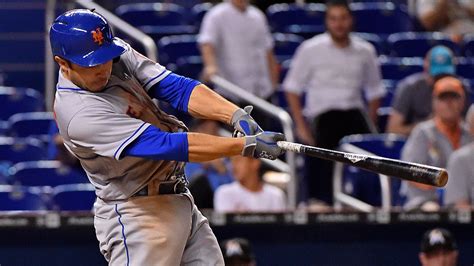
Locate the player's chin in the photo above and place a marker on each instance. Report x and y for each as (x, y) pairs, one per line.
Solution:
(97, 86)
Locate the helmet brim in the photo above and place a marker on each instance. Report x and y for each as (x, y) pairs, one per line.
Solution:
(108, 51)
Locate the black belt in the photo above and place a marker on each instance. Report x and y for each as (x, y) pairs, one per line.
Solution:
(176, 186)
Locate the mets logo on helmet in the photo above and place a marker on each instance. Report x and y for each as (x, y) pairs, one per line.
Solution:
(98, 36)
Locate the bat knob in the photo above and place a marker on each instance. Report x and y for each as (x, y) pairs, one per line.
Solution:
(442, 179)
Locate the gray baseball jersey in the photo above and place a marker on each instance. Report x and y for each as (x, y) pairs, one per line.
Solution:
(96, 128)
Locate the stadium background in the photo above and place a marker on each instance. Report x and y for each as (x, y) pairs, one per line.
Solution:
(51, 237)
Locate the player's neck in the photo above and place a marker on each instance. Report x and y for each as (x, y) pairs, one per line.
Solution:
(253, 184)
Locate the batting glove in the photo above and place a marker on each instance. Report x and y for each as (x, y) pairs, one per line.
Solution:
(263, 145)
(243, 123)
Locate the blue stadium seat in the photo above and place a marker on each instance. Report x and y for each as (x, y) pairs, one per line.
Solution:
(34, 124)
(18, 100)
(417, 44)
(465, 67)
(306, 20)
(151, 14)
(365, 185)
(399, 68)
(190, 66)
(32, 50)
(46, 173)
(383, 114)
(374, 39)
(390, 86)
(16, 198)
(32, 20)
(286, 45)
(15, 76)
(381, 18)
(19, 150)
(159, 32)
(199, 11)
(468, 45)
(74, 197)
(173, 47)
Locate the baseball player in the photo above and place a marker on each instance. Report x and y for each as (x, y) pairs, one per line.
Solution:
(133, 152)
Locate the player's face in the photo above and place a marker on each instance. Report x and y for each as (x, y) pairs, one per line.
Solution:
(91, 78)
(439, 258)
(448, 107)
(338, 22)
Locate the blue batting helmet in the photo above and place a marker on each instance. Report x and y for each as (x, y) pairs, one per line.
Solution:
(83, 37)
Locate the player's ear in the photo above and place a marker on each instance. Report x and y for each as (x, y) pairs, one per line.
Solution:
(61, 62)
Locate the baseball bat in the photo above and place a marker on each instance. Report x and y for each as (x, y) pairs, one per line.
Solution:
(420, 173)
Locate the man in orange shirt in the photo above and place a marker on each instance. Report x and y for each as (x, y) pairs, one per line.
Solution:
(433, 141)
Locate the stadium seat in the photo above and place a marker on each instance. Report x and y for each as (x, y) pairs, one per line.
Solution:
(383, 113)
(399, 68)
(468, 46)
(380, 18)
(365, 185)
(390, 86)
(465, 68)
(374, 39)
(286, 45)
(189, 67)
(157, 19)
(34, 124)
(19, 150)
(46, 173)
(417, 44)
(199, 11)
(305, 20)
(173, 47)
(151, 14)
(74, 197)
(17, 198)
(14, 76)
(18, 100)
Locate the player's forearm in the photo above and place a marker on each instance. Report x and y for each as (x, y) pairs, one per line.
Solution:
(204, 147)
(206, 104)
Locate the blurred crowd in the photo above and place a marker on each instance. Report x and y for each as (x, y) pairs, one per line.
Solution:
(334, 87)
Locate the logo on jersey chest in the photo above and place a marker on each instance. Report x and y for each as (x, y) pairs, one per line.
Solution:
(97, 36)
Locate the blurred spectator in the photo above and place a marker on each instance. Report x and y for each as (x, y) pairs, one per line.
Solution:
(453, 17)
(433, 141)
(236, 43)
(237, 252)
(460, 188)
(248, 193)
(438, 248)
(412, 101)
(334, 68)
(206, 177)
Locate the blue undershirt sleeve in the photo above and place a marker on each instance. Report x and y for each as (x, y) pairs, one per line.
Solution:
(174, 89)
(159, 145)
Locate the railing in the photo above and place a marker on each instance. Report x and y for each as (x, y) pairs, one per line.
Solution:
(148, 43)
(273, 111)
(342, 198)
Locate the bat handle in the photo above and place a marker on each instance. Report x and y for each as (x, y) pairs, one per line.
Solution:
(290, 146)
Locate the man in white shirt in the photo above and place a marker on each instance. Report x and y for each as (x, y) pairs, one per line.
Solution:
(236, 44)
(248, 193)
(334, 69)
